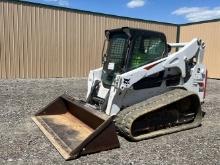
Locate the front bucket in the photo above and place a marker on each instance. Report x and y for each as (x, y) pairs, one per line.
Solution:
(76, 129)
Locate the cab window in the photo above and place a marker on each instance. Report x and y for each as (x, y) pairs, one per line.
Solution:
(146, 50)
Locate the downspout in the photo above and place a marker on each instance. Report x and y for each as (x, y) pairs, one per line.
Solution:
(178, 36)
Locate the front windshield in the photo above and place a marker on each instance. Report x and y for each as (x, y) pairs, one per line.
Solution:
(115, 56)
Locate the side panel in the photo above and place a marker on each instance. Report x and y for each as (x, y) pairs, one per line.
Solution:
(69, 46)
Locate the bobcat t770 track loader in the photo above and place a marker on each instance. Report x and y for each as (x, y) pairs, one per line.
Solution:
(142, 88)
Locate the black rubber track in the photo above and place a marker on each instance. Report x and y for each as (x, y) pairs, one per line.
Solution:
(127, 116)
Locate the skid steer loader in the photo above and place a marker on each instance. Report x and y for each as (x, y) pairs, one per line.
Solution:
(142, 88)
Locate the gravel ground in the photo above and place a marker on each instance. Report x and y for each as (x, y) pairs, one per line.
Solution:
(21, 142)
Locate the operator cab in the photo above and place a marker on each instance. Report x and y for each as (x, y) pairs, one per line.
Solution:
(128, 49)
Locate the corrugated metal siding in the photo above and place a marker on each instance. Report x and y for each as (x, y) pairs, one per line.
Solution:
(210, 33)
(41, 42)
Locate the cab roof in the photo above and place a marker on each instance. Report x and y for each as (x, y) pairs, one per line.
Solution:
(132, 32)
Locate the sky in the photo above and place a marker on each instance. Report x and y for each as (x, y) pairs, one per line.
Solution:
(172, 11)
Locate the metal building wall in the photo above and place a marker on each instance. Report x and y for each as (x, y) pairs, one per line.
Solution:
(38, 41)
(210, 33)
